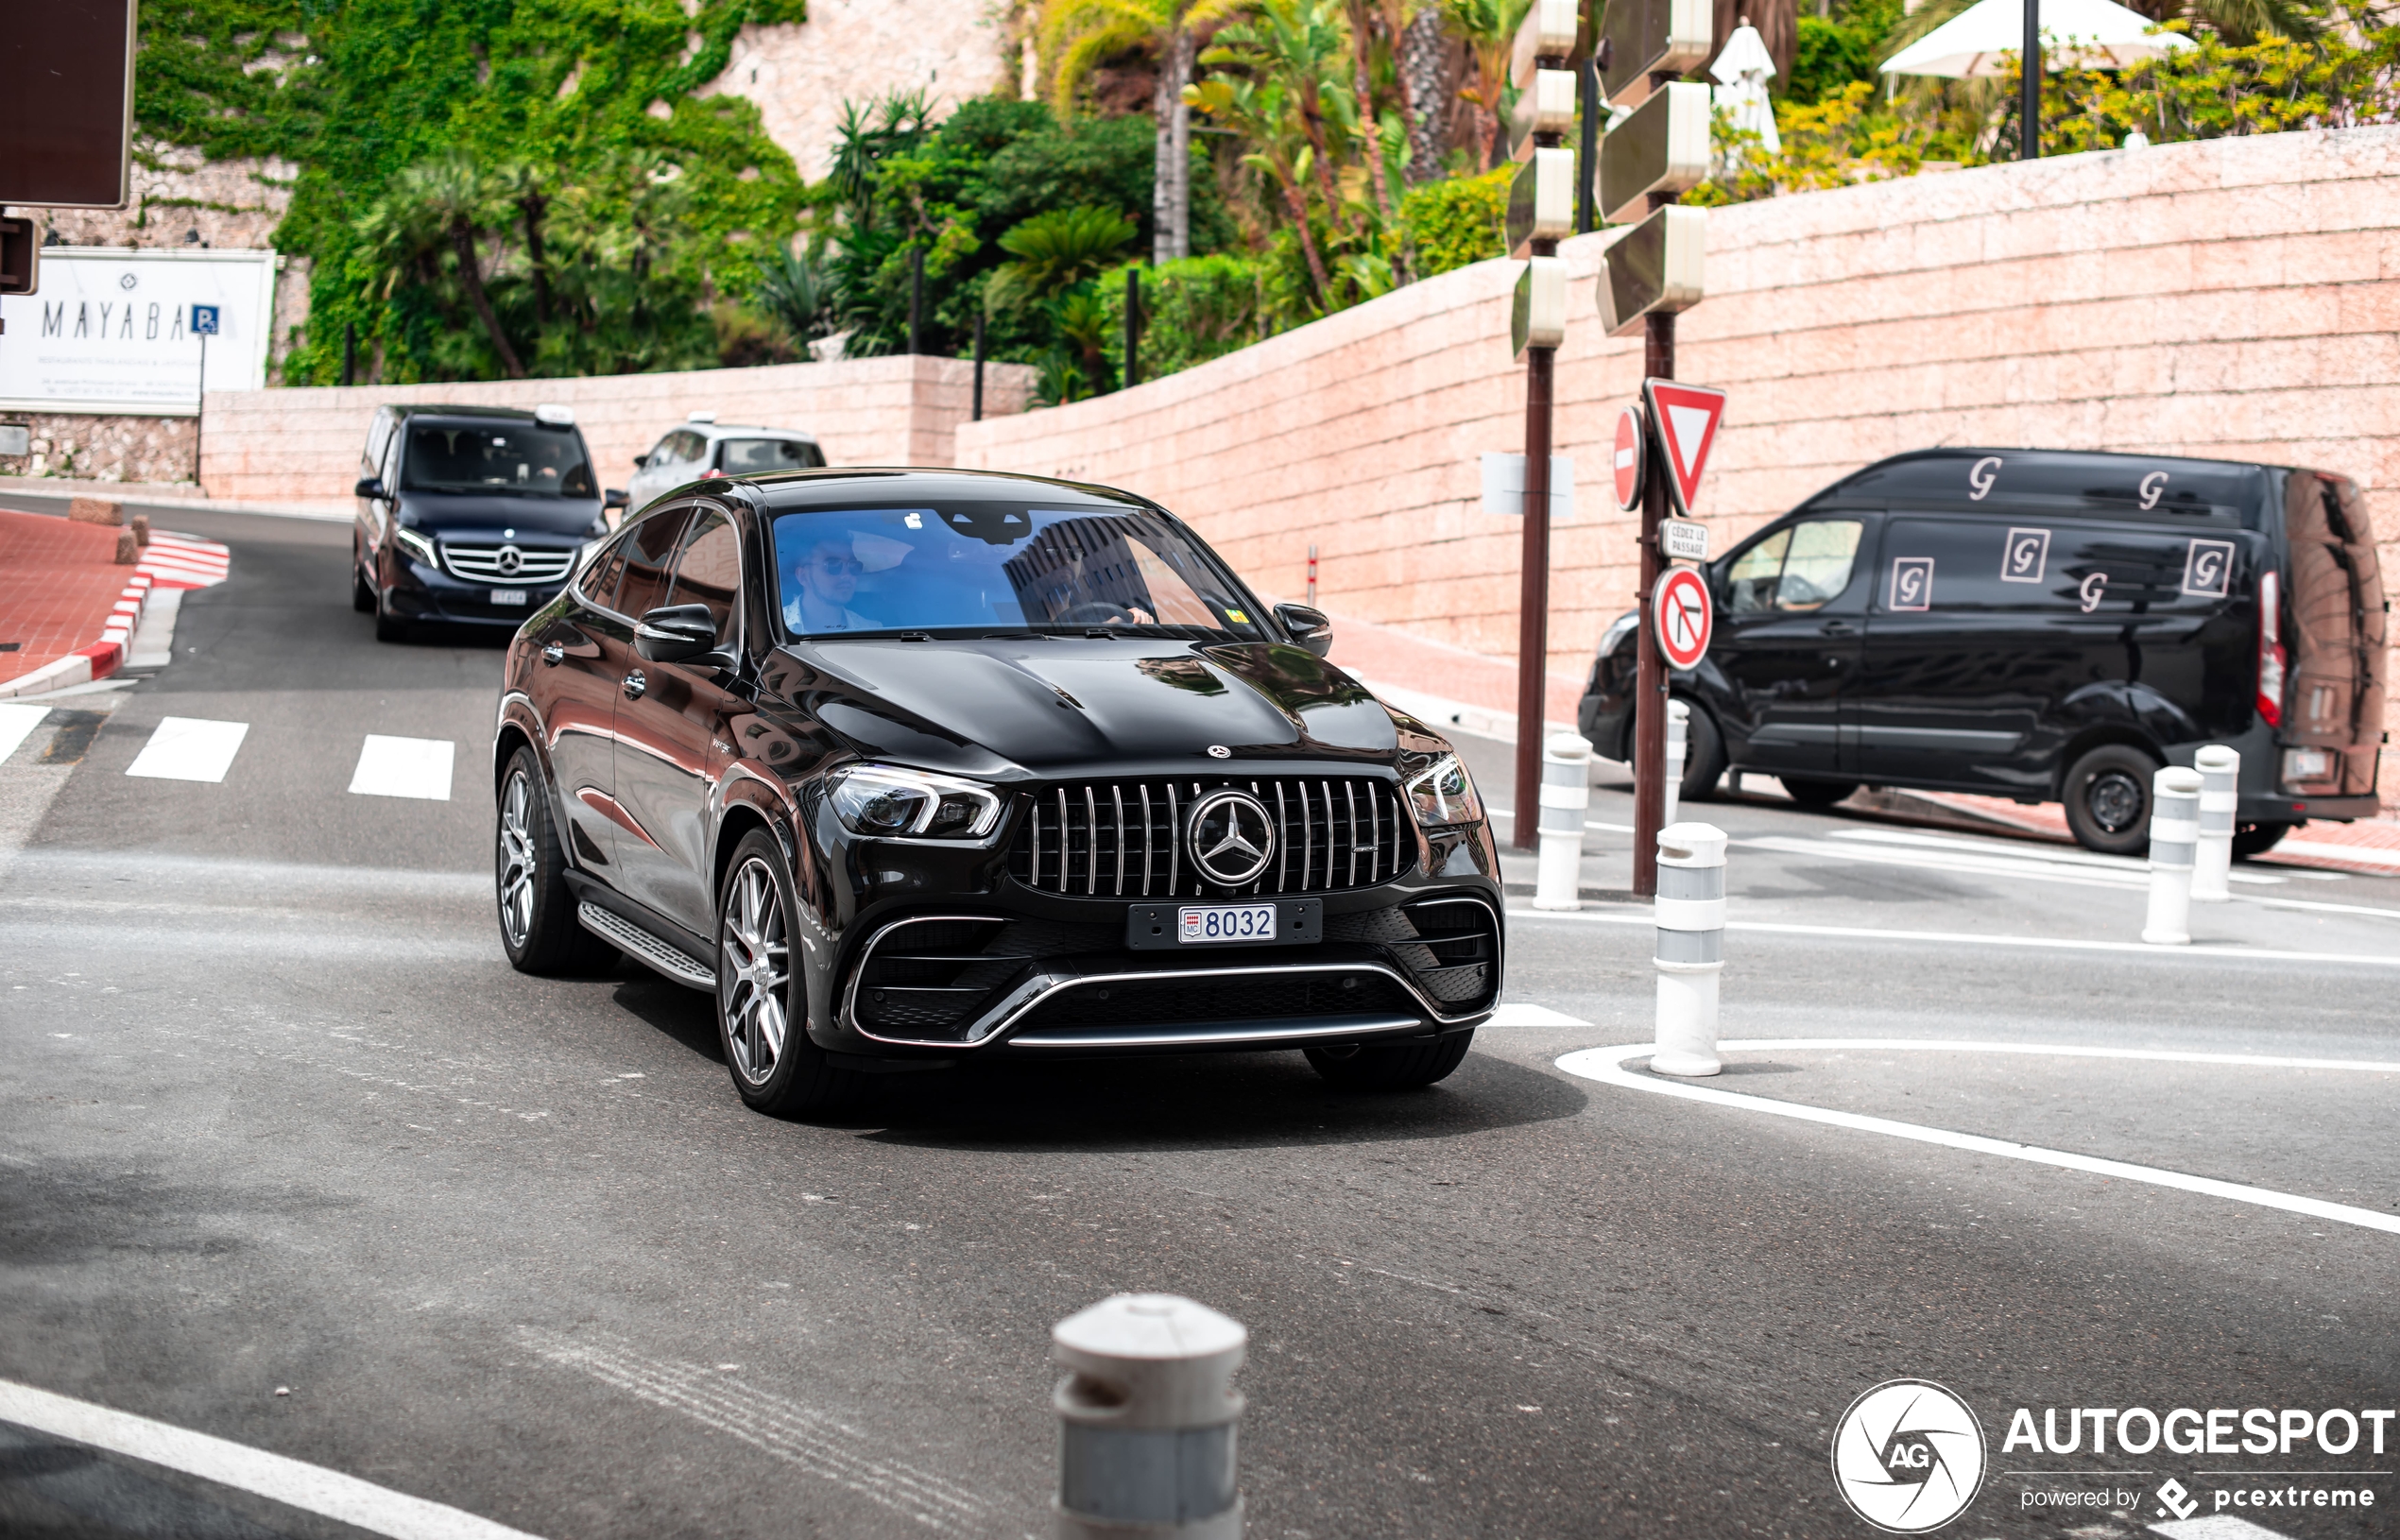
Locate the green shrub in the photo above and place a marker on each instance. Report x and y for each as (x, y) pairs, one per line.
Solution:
(1457, 221)
(1191, 311)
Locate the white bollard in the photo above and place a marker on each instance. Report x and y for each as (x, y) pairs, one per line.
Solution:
(1146, 1417)
(1691, 948)
(1678, 740)
(2175, 829)
(1566, 795)
(2220, 777)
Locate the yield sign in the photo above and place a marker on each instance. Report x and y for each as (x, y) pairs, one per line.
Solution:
(1681, 617)
(1687, 417)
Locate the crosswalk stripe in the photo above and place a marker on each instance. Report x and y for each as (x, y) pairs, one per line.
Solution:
(189, 748)
(418, 767)
(16, 724)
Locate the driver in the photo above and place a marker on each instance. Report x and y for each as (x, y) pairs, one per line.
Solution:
(823, 582)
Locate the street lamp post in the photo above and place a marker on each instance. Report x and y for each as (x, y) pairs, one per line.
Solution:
(2028, 105)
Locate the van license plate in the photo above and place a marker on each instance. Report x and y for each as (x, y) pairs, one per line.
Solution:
(1204, 923)
(507, 596)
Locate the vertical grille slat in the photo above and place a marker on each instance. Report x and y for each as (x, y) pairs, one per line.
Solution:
(1076, 837)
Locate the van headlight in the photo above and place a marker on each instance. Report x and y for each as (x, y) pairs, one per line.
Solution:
(882, 799)
(1444, 794)
(417, 545)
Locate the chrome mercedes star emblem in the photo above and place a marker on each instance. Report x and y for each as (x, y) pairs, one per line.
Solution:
(1230, 836)
(509, 561)
(1218, 752)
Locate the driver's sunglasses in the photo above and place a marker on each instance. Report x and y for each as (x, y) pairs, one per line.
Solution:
(839, 566)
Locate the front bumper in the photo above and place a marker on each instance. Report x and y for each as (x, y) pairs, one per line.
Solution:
(416, 592)
(1020, 973)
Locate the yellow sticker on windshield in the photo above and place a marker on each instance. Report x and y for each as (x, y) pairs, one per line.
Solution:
(1237, 617)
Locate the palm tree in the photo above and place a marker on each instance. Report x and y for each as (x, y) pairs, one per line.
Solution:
(436, 204)
(1258, 111)
(1082, 34)
(1489, 29)
(1300, 47)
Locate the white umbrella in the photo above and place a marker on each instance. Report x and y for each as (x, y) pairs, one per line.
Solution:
(1742, 71)
(1986, 38)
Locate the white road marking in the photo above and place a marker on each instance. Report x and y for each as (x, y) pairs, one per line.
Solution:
(312, 1489)
(1532, 1016)
(811, 1440)
(17, 724)
(1606, 1065)
(2055, 855)
(1961, 938)
(189, 748)
(418, 767)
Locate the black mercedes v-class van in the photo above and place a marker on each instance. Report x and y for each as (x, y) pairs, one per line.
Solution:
(469, 515)
(907, 767)
(2046, 626)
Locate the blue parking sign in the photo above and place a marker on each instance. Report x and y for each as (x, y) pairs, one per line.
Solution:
(204, 320)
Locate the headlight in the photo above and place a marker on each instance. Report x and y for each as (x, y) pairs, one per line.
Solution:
(1619, 629)
(881, 799)
(1444, 794)
(417, 545)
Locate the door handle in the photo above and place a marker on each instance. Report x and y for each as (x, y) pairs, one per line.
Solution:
(1835, 628)
(553, 654)
(634, 684)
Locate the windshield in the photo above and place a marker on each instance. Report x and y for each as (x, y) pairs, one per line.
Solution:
(756, 457)
(508, 459)
(985, 567)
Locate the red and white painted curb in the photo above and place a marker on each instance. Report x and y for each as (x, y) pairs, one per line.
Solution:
(170, 561)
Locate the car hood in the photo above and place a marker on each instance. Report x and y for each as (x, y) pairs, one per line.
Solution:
(980, 707)
(443, 513)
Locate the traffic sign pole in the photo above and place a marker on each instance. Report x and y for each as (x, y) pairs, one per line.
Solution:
(1649, 678)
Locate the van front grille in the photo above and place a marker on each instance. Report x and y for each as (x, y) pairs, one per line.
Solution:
(506, 563)
(1125, 839)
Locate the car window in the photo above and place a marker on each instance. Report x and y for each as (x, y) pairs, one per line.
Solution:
(756, 457)
(709, 570)
(690, 448)
(648, 556)
(1989, 564)
(600, 579)
(1751, 583)
(978, 566)
(663, 455)
(1817, 568)
(507, 457)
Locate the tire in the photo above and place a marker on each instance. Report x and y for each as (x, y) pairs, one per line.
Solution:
(2257, 839)
(362, 593)
(2107, 798)
(761, 1000)
(537, 925)
(1357, 1067)
(1703, 757)
(1811, 792)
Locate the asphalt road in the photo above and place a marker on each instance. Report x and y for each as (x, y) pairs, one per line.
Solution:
(292, 1158)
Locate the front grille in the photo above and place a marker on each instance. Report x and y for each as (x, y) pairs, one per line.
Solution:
(485, 563)
(1124, 839)
(1165, 1002)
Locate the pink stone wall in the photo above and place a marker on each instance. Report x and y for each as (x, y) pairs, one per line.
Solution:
(301, 445)
(2238, 297)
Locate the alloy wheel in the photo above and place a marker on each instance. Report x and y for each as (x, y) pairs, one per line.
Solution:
(754, 976)
(517, 860)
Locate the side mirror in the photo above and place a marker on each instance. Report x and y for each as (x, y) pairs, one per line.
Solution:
(642, 462)
(1310, 627)
(614, 498)
(369, 487)
(675, 633)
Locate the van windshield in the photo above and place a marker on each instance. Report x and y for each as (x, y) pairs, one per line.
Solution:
(501, 458)
(985, 567)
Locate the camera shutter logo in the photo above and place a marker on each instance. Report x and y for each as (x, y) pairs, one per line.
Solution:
(2208, 568)
(2025, 556)
(1907, 1456)
(1230, 837)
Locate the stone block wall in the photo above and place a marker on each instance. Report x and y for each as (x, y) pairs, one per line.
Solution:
(84, 448)
(2238, 297)
(301, 445)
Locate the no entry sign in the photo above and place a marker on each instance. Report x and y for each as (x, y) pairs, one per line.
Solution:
(1681, 617)
(1627, 459)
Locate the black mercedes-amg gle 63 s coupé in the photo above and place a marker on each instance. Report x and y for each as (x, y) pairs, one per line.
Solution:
(908, 767)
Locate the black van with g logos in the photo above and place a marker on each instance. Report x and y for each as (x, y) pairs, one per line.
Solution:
(2047, 626)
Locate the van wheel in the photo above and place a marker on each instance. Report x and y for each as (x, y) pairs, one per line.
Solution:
(1703, 757)
(362, 593)
(2107, 799)
(1817, 794)
(2257, 839)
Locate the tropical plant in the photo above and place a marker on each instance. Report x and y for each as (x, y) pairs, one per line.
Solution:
(1488, 27)
(1055, 252)
(1457, 220)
